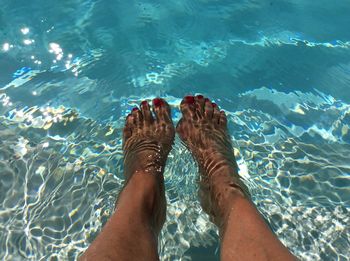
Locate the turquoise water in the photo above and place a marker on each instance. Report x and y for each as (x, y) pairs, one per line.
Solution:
(70, 71)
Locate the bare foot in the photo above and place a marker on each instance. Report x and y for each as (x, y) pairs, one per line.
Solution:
(147, 141)
(203, 129)
(131, 232)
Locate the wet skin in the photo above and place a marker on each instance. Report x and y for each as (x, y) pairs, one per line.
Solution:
(203, 128)
(147, 141)
(132, 231)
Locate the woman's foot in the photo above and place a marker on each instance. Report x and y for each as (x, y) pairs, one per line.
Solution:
(131, 232)
(203, 129)
(147, 141)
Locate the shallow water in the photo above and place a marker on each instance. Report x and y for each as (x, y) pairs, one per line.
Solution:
(70, 71)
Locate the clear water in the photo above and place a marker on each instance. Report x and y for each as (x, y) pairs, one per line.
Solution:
(71, 70)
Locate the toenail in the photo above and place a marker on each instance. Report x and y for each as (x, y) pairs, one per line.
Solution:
(214, 105)
(158, 102)
(135, 109)
(144, 103)
(206, 100)
(189, 99)
(200, 97)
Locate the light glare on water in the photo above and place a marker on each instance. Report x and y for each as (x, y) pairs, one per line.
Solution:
(71, 72)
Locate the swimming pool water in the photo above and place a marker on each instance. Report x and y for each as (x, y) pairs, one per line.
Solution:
(70, 71)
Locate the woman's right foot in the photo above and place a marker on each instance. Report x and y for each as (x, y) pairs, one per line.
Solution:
(203, 129)
(147, 141)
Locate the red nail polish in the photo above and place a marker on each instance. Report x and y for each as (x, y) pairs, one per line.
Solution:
(158, 102)
(135, 109)
(200, 97)
(214, 105)
(189, 99)
(144, 103)
(206, 100)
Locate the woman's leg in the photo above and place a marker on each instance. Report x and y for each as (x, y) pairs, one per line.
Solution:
(132, 231)
(243, 232)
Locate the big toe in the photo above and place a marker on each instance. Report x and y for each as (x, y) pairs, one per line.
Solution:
(162, 111)
(200, 103)
(188, 108)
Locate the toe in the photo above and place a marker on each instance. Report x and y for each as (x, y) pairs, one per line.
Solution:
(162, 110)
(146, 112)
(137, 116)
(130, 121)
(216, 113)
(127, 131)
(188, 108)
(223, 119)
(208, 109)
(199, 104)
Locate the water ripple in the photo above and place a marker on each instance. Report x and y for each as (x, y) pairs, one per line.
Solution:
(297, 177)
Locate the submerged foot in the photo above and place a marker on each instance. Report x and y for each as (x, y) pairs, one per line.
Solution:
(203, 129)
(147, 141)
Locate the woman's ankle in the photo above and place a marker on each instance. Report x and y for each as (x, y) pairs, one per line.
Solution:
(223, 190)
(144, 196)
(143, 188)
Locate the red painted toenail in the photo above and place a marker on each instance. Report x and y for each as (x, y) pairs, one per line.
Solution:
(135, 109)
(144, 103)
(214, 105)
(189, 99)
(200, 97)
(158, 102)
(206, 100)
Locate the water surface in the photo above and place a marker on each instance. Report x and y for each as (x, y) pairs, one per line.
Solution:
(70, 71)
